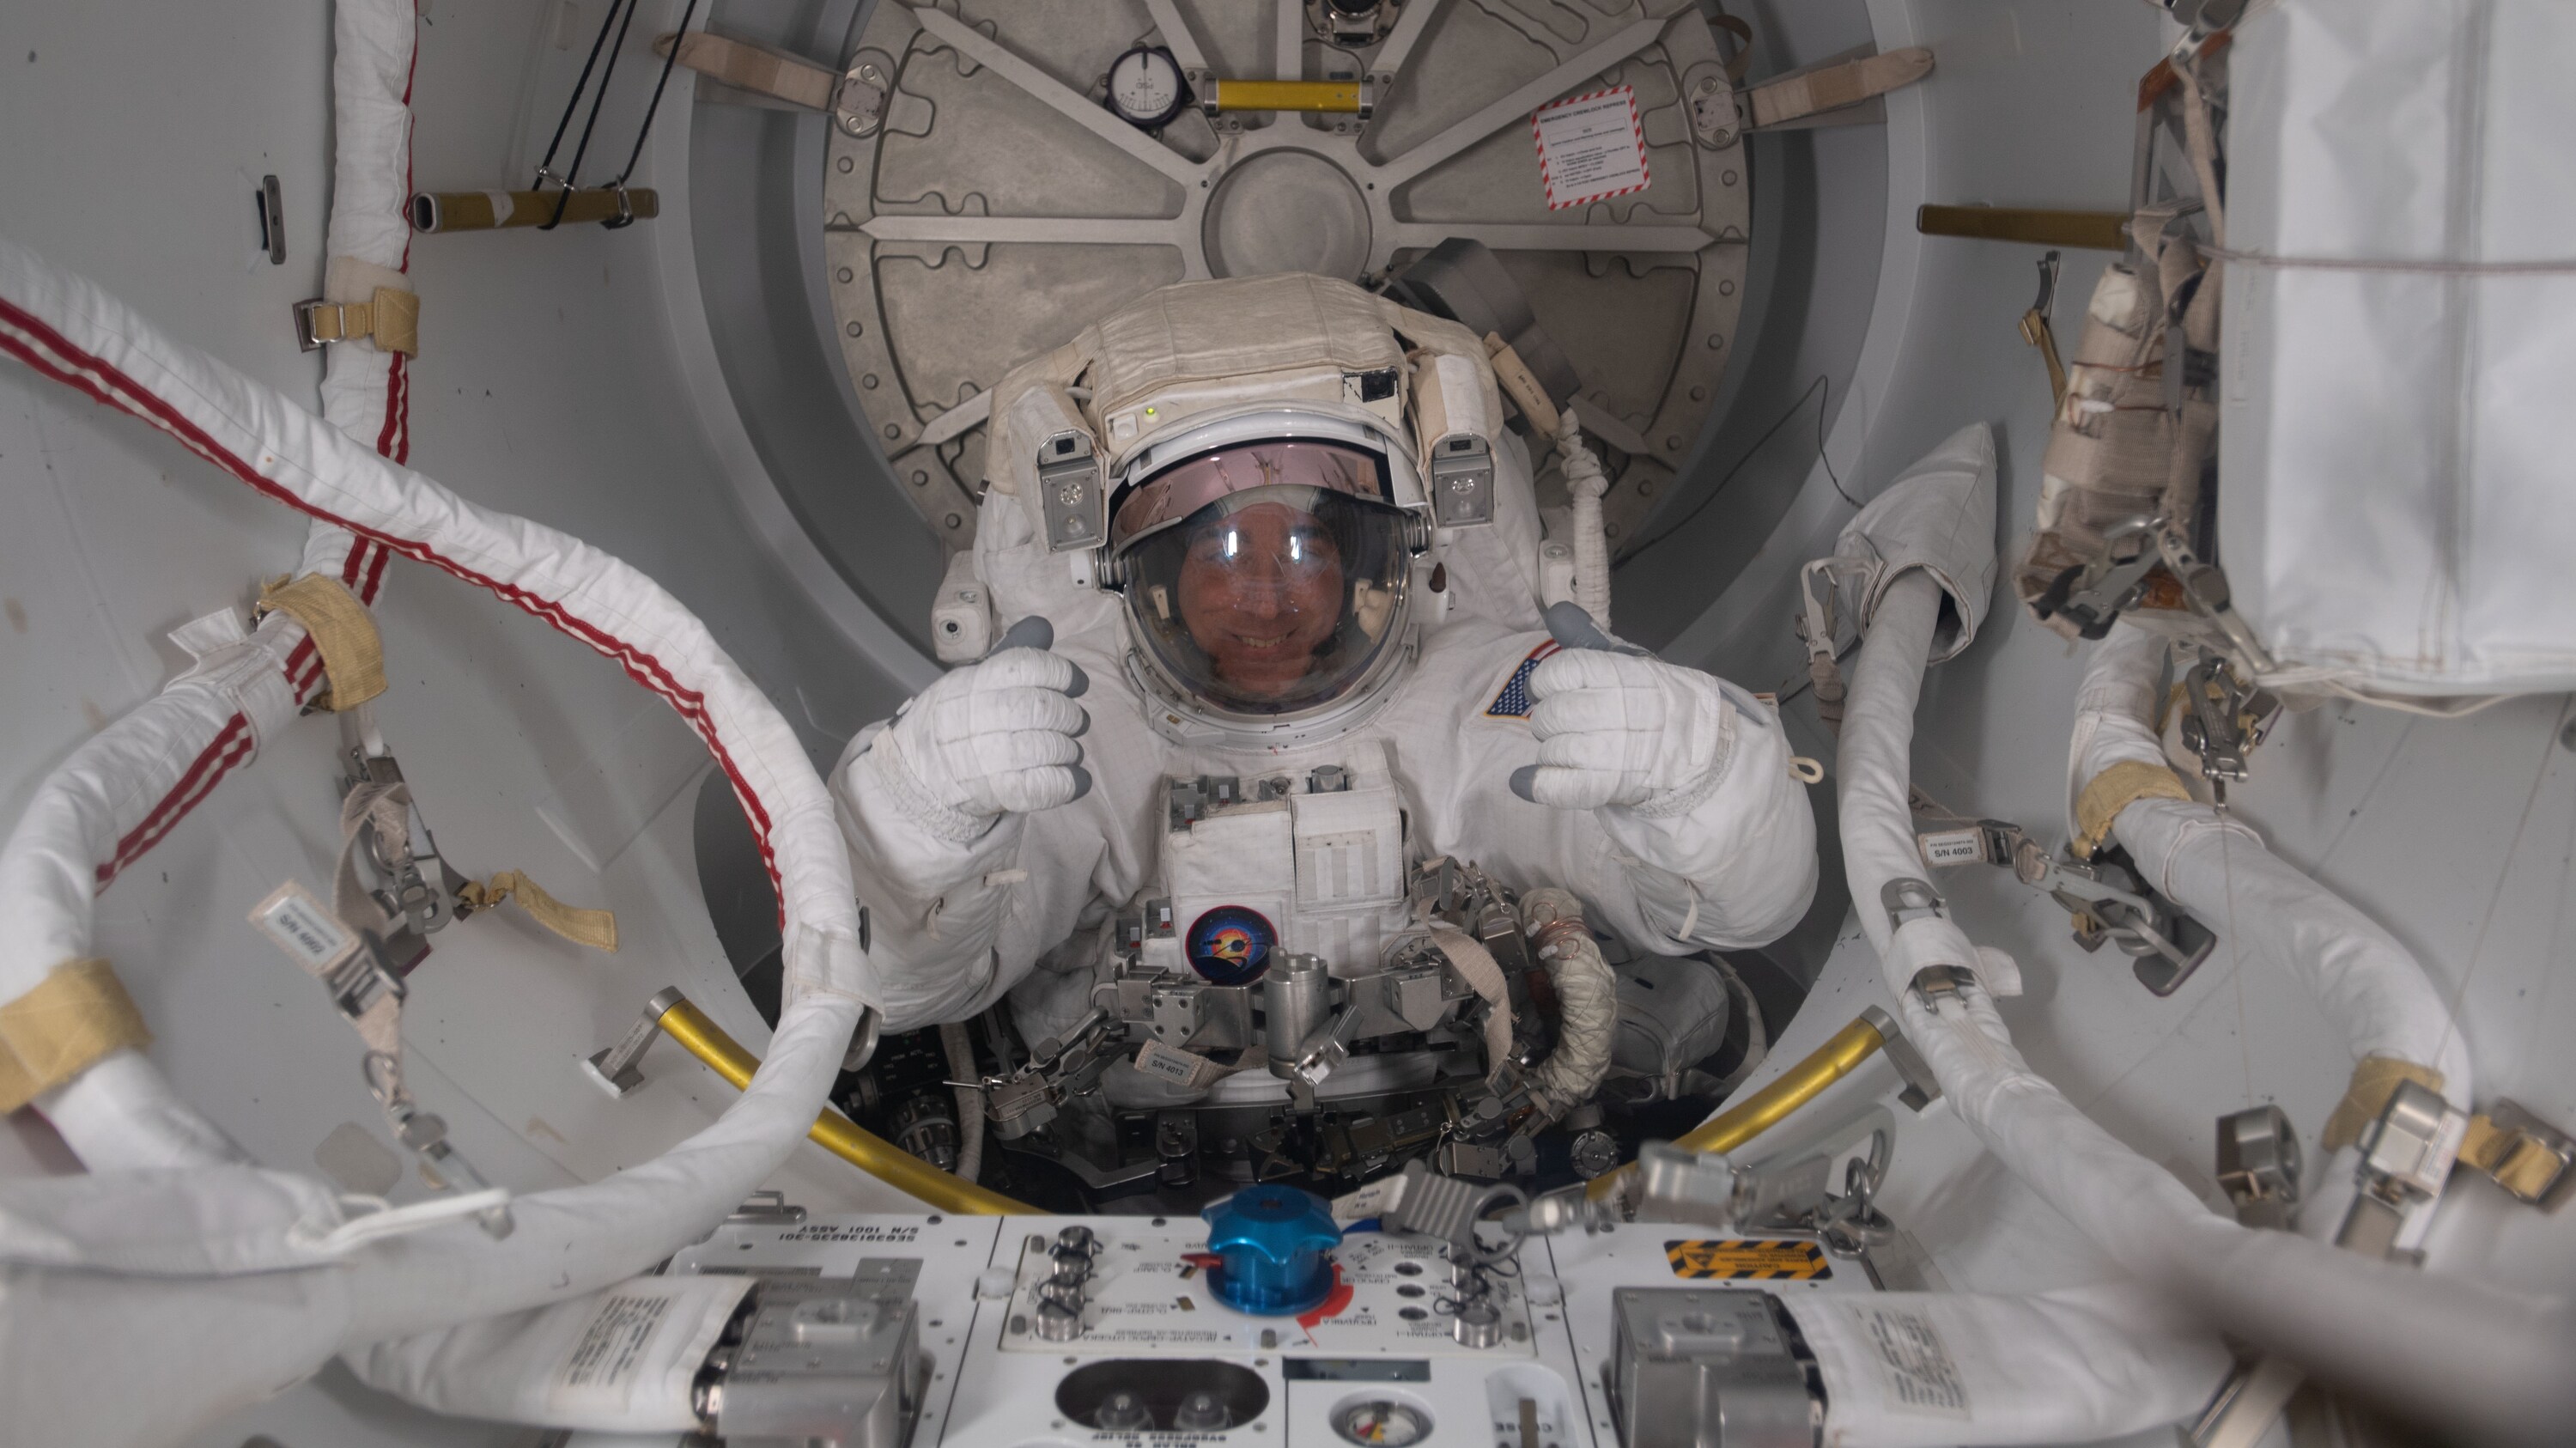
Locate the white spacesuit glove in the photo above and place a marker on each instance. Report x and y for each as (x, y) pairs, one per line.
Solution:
(996, 737)
(1618, 727)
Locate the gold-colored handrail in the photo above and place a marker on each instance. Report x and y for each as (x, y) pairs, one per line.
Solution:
(836, 1133)
(1769, 1106)
(1323, 97)
(2092, 230)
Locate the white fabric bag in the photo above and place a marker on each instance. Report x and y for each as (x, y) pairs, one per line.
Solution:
(2396, 514)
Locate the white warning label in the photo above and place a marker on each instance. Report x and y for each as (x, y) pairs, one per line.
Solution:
(1590, 147)
(1918, 1370)
(1952, 847)
(304, 928)
(611, 1350)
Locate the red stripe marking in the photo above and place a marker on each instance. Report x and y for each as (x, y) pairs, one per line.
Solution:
(242, 750)
(638, 665)
(375, 575)
(386, 436)
(1333, 1303)
(208, 758)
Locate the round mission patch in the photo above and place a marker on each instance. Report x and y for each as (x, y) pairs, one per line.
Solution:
(1230, 945)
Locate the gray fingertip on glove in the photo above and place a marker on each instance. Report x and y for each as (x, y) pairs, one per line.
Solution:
(993, 738)
(1618, 726)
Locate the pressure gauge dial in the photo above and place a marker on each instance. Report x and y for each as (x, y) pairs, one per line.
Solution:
(1381, 1423)
(1145, 87)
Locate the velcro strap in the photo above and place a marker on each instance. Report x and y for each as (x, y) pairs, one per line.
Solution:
(2115, 789)
(341, 628)
(2523, 1165)
(594, 928)
(2373, 1081)
(61, 1028)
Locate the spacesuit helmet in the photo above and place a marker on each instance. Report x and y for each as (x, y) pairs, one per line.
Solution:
(1266, 576)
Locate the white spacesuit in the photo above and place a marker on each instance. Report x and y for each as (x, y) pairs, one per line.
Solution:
(1290, 558)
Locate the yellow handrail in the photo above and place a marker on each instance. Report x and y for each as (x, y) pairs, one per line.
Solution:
(1767, 1107)
(836, 1133)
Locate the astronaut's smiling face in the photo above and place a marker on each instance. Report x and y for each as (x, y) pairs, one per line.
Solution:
(1260, 591)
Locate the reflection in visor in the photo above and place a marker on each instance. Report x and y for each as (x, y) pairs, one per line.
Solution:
(1270, 600)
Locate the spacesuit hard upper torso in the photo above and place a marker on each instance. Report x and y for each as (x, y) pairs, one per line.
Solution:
(956, 924)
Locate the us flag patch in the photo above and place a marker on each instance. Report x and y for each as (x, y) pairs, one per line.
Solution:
(1514, 701)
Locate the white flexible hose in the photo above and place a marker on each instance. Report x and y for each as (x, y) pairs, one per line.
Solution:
(123, 789)
(574, 1240)
(1584, 485)
(2460, 1352)
(1587, 1004)
(2372, 988)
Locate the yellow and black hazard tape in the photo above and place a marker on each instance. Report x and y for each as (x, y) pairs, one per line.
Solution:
(1749, 1260)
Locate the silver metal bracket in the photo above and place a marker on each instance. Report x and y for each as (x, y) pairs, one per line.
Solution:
(2225, 720)
(2405, 1157)
(2109, 903)
(2205, 590)
(817, 1363)
(2092, 595)
(767, 1207)
(1922, 1088)
(617, 1069)
(859, 102)
(2258, 1167)
(1027, 1099)
(1907, 899)
(1699, 1366)
(404, 870)
(1933, 982)
(2103, 897)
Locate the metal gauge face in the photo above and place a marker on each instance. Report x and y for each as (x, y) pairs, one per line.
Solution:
(1382, 1423)
(1145, 87)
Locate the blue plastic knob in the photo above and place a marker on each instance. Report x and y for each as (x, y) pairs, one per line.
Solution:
(1270, 1242)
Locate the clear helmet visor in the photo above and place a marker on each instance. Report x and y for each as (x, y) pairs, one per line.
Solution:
(1265, 580)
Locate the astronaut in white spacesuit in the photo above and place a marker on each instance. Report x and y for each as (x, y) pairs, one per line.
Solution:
(1271, 599)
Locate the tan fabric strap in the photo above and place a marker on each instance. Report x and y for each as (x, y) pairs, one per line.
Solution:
(390, 318)
(594, 928)
(353, 656)
(2115, 789)
(61, 1028)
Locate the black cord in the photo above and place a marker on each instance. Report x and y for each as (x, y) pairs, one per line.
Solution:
(655, 105)
(607, 73)
(1822, 385)
(545, 167)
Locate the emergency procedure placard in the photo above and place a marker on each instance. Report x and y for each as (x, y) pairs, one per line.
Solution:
(1590, 147)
